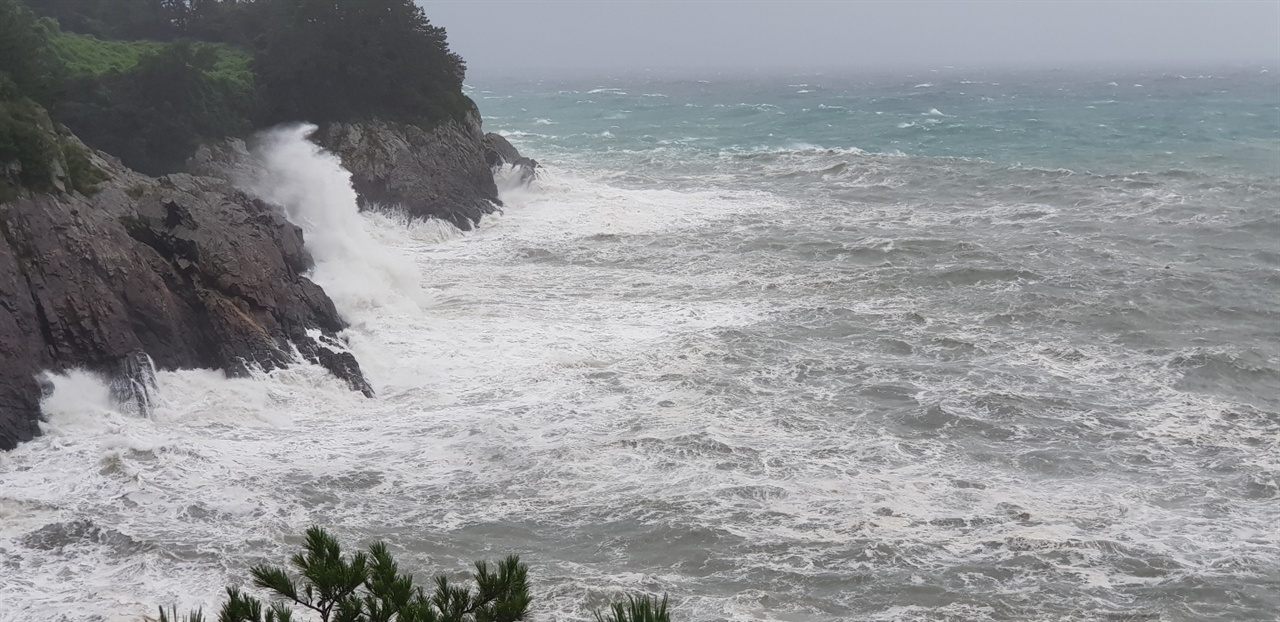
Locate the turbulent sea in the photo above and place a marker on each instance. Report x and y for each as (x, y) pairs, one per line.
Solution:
(944, 346)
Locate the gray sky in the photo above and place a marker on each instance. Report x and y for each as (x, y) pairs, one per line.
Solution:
(503, 36)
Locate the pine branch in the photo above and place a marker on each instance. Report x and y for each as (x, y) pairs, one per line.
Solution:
(196, 615)
(643, 609)
(368, 587)
(240, 607)
(275, 579)
(279, 612)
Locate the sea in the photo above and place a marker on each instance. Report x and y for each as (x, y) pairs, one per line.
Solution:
(950, 344)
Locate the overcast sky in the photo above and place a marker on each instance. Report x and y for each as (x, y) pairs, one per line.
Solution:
(503, 36)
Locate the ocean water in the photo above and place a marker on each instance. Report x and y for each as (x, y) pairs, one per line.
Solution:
(945, 346)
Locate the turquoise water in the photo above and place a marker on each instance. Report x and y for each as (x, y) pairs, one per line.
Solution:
(1229, 122)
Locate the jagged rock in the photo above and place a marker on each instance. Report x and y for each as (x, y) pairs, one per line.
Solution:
(498, 151)
(227, 159)
(436, 173)
(187, 269)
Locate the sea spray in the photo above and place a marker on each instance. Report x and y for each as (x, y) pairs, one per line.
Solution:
(315, 190)
(78, 400)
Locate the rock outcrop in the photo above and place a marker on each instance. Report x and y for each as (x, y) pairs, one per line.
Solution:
(499, 152)
(187, 269)
(435, 173)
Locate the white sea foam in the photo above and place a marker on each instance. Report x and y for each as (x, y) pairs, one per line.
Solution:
(80, 401)
(734, 395)
(356, 271)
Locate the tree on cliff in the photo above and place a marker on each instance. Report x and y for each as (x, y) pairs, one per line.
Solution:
(157, 113)
(192, 71)
(26, 59)
(339, 60)
(113, 19)
(368, 587)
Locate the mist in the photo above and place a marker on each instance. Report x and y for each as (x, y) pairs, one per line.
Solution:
(506, 36)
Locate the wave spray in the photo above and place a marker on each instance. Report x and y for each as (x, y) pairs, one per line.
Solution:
(315, 190)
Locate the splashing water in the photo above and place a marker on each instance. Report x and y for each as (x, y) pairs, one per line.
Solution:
(781, 382)
(316, 192)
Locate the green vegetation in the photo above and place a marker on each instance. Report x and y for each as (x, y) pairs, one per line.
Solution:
(28, 145)
(116, 19)
(82, 175)
(323, 60)
(27, 63)
(155, 115)
(33, 154)
(369, 587)
(643, 609)
(150, 80)
(87, 55)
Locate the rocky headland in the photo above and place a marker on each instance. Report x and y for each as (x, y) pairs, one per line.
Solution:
(436, 173)
(187, 269)
(111, 270)
(193, 271)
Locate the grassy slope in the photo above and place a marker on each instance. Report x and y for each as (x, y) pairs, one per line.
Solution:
(85, 54)
(88, 55)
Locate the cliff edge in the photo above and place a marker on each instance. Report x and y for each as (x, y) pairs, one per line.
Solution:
(428, 173)
(187, 269)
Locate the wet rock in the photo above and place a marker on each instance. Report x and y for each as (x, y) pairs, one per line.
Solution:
(499, 152)
(134, 383)
(185, 269)
(427, 173)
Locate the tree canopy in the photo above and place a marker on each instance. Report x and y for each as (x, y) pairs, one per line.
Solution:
(329, 60)
(149, 80)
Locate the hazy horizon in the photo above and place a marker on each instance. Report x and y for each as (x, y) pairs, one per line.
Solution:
(504, 37)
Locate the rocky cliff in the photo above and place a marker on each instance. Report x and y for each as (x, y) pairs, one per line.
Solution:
(187, 269)
(428, 173)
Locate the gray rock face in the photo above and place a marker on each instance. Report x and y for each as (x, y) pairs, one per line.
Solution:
(498, 152)
(436, 173)
(186, 269)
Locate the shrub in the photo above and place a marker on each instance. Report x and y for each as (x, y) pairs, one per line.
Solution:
(88, 55)
(26, 58)
(155, 114)
(27, 138)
